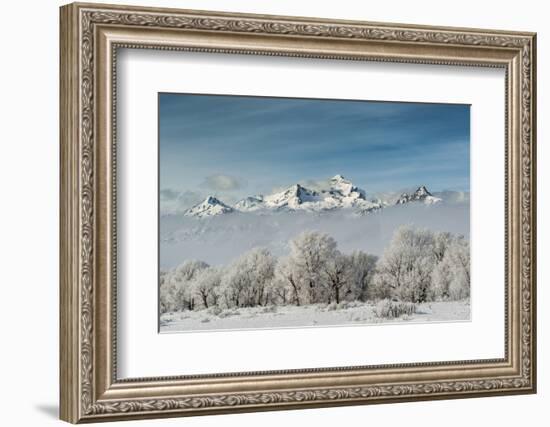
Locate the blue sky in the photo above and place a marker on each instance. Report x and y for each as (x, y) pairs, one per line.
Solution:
(233, 146)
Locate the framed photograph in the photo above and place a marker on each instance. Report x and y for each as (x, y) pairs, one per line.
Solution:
(266, 212)
(257, 232)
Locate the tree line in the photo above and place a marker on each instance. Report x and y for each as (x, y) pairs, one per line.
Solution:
(419, 265)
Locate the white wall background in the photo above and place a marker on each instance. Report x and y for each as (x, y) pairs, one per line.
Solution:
(29, 170)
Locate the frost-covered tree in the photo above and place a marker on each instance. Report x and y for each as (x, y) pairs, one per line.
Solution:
(165, 297)
(287, 282)
(235, 283)
(441, 278)
(262, 267)
(337, 277)
(451, 276)
(167, 293)
(177, 289)
(309, 254)
(362, 270)
(228, 295)
(441, 241)
(205, 285)
(459, 253)
(278, 291)
(405, 268)
(441, 275)
(247, 278)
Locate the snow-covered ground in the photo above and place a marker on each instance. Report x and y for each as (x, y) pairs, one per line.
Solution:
(306, 316)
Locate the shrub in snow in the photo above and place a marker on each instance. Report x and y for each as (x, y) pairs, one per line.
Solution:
(343, 305)
(347, 304)
(389, 309)
(215, 310)
(228, 312)
(352, 304)
(332, 306)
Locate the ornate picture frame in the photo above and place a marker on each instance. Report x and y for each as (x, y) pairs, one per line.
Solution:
(90, 37)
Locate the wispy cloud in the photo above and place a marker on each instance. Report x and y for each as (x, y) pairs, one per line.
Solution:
(174, 201)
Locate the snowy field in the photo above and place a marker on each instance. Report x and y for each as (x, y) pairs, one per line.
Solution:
(353, 313)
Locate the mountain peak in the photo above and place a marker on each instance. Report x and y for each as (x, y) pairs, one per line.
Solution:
(420, 195)
(345, 187)
(211, 206)
(296, 188)
(422, 191)
(291, 198)
(211, 200)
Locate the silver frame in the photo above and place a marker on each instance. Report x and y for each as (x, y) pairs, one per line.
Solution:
(90, 37)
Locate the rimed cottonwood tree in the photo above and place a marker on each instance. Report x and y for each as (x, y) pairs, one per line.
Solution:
(405, 268)
(247, 278)
(175, 290)
(337, 277)
(309, 254)
(362, 270)
(287, 283)
(205, 285)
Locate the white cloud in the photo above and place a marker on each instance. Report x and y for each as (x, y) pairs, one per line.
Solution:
(174, 202)
(220, 182)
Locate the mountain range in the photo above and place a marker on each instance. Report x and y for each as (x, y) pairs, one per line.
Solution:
(337, 193)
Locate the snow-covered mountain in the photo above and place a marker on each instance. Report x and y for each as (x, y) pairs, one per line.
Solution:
(294, 197)
(336, 193)
(211, 206)
(420, 195)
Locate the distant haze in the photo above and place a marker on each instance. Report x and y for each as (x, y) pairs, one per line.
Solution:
(221, 239)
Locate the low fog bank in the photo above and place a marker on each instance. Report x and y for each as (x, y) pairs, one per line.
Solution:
(221, 239)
